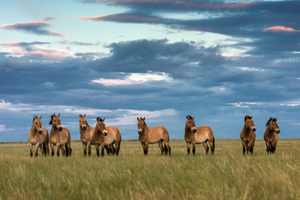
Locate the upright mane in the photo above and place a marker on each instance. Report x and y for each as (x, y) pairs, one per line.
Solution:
(247, 117)
(189, 117)
(51, 118)
(35, 117)
(270, 120)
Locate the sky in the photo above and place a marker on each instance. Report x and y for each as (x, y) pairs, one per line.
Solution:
(162, 60)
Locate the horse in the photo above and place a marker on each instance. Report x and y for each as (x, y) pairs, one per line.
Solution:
(86, 134)
(59, 136)
(197, 135)
(152, 135)
(271, 135)
(248, 135)
(106, 136)
(38, 136)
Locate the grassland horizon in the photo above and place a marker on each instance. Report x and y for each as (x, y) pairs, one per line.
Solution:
(226, 175)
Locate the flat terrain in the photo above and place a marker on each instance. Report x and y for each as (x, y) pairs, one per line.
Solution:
(131, 175)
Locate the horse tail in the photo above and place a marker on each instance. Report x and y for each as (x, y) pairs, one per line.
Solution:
(213, 146)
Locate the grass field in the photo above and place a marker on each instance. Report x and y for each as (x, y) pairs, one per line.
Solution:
(226, 175)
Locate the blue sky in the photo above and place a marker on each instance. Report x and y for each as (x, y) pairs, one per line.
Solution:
(163, 60)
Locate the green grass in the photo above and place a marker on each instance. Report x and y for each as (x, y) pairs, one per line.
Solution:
(226, 175)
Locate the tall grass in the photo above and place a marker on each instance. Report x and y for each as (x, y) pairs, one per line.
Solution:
(226, 175)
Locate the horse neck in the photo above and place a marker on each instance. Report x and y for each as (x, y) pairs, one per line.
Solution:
(246, 130)
(54, 130)
(145, 130)
(33, 131)
(187, 130)
(268, 131)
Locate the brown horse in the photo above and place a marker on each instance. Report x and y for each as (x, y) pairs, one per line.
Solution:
(59, 136)
(248, 135)
(38, 136)
(86, 134)
(197, 135)
(106, 136)
(271, 135)
(152, 135)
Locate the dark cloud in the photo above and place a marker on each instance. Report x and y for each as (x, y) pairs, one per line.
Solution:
(34, 27)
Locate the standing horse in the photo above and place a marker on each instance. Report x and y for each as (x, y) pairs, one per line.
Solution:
(38, 136)
(248, 135)
(271, 135)
(152, 135)
(59, 136)
(197, 135)
(86, 134)
(106, 136)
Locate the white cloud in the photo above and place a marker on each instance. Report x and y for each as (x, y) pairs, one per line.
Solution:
(135, 78)
(4, 129)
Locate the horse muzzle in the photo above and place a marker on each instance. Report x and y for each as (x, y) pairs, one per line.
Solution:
(277, 131)
(40, 131)
(83, 128)
(140, 132)
(105, 133)
(60, 128)
(194, 130)
(253, 129)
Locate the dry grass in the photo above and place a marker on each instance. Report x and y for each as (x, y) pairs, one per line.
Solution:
(226, 175)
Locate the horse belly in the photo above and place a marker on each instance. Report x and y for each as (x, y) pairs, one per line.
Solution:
(108, 141)
(154, 139)
(201, 138)
(32, 141)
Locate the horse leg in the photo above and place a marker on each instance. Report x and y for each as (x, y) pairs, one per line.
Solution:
(84, 148)
(58, 149)
(30, 148)
(52, 149)
(118, 145)
(47, 148)
(206, 147)
(89, 148)
(247, 147)
(112, 149)
(146, 148)
(194, 147)
(188, 145)
(42, 149)
(268, 147)
(37, 145)
(274, 144)
(160, 144)
(102, 149)
(251, 146)
(97, 148)
(244, 147)
(168, 148)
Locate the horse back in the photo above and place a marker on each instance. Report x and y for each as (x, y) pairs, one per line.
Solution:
(65, 136)
(113, 132)
(157, 133)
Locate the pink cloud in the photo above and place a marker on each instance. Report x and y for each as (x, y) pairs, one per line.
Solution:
(35, 27)
(281, 29)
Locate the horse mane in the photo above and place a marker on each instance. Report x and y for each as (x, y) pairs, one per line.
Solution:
(270, 120)
(51, 119)
(189, 117)
(248, 117)
(99, 119)
(35, 117)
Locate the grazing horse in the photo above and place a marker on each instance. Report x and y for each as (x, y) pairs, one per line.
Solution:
(271, 135)
(59, 136)
(86, 134)
(248, 135)
(106, 136)
(197, 135)
(152, 135)
(38, 136)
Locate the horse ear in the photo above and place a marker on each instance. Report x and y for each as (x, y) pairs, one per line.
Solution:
(144, 118)
(40, 117)
(103, 119)
(193, 117)
(54, 115)
(138, 119)
(80, 115)
(58, 115)
(98, 119)
(84, 115)
(251, 116)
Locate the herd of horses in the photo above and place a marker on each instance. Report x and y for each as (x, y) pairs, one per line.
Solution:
(109, 138)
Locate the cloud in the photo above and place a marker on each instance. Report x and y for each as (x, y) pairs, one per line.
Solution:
(281, 29)
(35, 51)
(3, 129)
(135, 78)
(128, 18)
(34, 27)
